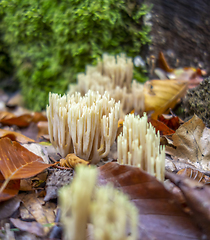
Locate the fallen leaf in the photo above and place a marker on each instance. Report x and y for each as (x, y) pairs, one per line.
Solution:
(14, 136)
(42, 212)
(17, 162)
(163, 63)
(71, 161)
(29, 184)
(42, 129)
(23, 120)
(32, 227)
(191, 144)
(161, 95)
(36, 148)
(7, 208)
(38, 117)
(160, 216)
(171, 121)
(194, 174)
(197, 197)
(11, 189)
(20, 121)
(161, 127)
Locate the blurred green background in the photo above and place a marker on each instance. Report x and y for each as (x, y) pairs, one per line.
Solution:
(44, 44)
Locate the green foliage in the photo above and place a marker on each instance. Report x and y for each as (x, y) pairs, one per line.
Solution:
(51, 41)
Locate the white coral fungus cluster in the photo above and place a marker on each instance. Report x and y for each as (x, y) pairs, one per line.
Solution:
(114, 75)
(109, 211)
(86, 126)
(139, 145)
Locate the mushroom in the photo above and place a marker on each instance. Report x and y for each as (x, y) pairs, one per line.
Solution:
(109, 211)
(139, 145)
(86, 126)
(114, 75)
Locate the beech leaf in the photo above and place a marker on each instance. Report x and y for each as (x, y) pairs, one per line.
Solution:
(11, 189)
(15, 136)
(161, 127)
(171, 121)
(197, 197)
(17, 162)
(161, 95)
(160, 216)
(191, 143)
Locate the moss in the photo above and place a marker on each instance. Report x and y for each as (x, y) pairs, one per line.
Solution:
(49, 42)
(197, 101)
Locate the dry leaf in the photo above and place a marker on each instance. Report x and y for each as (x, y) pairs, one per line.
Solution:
(7, 208)
(171, 121)
(160, 217)
(71, 161)
(163, 63)
(161, 127)
(20, 121)
(43, 214)
(32, 227)
(37, 149)
(195, 175)
(197, 197)
(23, 120)
(17, 162)
(191, 144)
(14, 136)
(161, 95)
(42, 129)
(11, 189)
(38, 117)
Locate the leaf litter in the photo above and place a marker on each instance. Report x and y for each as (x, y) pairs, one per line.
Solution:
(180, 213)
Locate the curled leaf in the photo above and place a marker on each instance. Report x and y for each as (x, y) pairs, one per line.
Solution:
(15, 136)
(71, 160)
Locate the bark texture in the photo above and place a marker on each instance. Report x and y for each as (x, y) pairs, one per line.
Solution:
(181, 30)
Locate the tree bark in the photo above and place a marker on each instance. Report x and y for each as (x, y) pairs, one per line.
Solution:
(181, 30)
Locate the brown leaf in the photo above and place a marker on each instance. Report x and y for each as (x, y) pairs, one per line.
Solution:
(14, 136)
(161, 127)
(171, 121)
(7, 118)
(71, 160)
(195, 175)
(42, 129)
(11, 189)
(38, 117)
(7, 208)
(32, 227)
(43, 214)
(20, 121)
(197, 197)
(160, 217)
(17, 162)
(163, 64)
(191, 144)
(161, 95)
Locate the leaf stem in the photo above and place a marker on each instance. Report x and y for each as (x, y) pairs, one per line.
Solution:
(4, 185)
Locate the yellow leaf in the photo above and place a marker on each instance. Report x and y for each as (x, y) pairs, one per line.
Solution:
(71, 160)
(161, 95)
